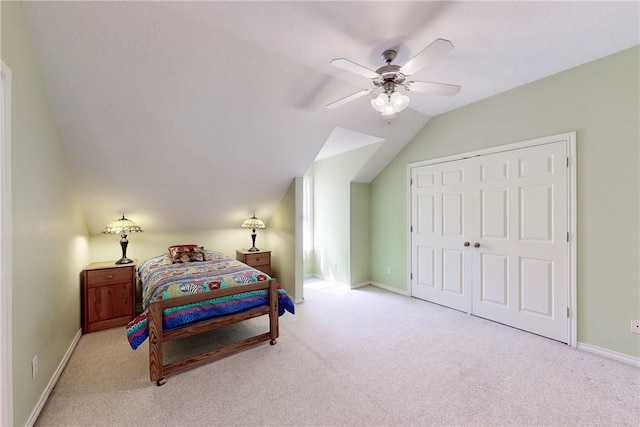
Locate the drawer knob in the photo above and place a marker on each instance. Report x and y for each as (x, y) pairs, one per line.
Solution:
(125, 300)
(111, 276)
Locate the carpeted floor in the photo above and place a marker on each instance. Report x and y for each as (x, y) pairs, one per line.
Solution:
(365, 357)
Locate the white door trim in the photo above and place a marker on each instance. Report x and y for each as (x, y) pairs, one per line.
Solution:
(6, 367)
(570, 140)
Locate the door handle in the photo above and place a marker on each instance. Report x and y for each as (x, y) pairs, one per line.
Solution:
(476, 245)
(466, 244)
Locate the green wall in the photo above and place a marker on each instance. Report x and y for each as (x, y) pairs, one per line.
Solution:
(284, 238)
(600, 100)
(360, 232)
(49, 234)
(332, 212)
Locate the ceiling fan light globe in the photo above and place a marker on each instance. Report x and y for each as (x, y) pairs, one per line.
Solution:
(397, 98)
(401, 102)
(379, 102)
(388, 110)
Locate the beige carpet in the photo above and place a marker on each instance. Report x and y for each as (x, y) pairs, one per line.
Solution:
(363, 358)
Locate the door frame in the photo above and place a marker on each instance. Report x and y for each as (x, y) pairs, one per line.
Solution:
(569, 138)
(6, 258)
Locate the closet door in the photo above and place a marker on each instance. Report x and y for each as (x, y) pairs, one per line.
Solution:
(520, 269)
(489, 237)
(440, 221)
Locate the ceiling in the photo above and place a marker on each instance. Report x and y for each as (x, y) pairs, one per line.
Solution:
(194, 115)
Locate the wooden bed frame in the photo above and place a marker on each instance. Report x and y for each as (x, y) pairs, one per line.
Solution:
(157, 336)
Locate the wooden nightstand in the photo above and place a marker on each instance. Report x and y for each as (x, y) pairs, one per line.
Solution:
(108, 295)
(260, 260)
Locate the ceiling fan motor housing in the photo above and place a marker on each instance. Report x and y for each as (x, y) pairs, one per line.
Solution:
(389, 74)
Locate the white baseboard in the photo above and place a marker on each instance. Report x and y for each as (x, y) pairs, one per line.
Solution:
(360, 285)
(54, 379)
(390, 288)
(609, 354)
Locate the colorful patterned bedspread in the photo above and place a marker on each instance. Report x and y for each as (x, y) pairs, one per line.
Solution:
(162, 279)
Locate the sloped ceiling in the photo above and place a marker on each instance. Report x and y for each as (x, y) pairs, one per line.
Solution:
(194, 115)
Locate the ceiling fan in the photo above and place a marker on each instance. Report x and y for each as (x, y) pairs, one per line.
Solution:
(389, 77)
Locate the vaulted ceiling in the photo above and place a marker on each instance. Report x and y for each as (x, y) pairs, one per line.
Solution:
(193, 115)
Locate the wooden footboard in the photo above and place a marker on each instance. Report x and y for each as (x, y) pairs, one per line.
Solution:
(157, 336)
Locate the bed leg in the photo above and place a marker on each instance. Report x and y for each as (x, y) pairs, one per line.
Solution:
(273, 311)
(155, 343)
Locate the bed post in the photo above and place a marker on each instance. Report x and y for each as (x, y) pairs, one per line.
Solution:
(273, 311)
(155, 343)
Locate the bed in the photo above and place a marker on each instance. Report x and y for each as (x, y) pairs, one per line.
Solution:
(190, 290)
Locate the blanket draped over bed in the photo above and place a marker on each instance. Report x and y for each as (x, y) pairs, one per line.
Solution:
(162, 279)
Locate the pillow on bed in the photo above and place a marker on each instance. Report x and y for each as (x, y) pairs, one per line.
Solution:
(186, 253)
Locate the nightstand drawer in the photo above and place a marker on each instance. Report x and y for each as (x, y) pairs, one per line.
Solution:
(108, 276)
(258, 259)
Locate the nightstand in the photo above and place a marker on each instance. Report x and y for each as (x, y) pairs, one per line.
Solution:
(260, 260)
(108, 295)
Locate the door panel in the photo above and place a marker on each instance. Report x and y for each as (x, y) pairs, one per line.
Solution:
(453, 272)
(425, 267)
(536, 211)
(494, 283)
(536, 286)
(426, 215)
(452, 215)
(494, 221)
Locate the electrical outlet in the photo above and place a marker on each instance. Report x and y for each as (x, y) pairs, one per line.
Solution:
(34, 366)
(388, 270)
(635, 326)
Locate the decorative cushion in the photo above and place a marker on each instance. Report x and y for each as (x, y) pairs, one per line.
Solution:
(186, 253)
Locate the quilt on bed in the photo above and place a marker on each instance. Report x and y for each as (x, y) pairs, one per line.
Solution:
(161, 279)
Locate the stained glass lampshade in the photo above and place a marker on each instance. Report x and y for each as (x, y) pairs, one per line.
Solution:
(253, 223)
(123, 227)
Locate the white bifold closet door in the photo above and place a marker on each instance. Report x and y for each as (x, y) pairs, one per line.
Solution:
(489, 237)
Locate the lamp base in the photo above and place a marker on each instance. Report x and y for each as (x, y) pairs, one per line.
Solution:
(123, 244)
(253, 242)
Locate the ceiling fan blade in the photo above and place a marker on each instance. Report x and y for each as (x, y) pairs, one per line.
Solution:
(349, 98)
(345, 64)
(434, 88)
(437, 49)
